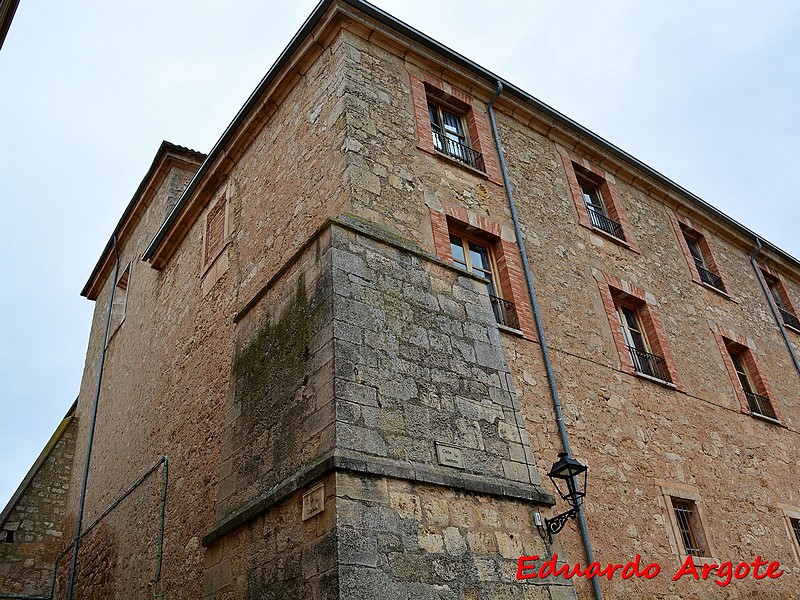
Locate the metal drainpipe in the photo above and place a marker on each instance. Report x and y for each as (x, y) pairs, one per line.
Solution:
(85, 481)
(537, 317)
(768, 294)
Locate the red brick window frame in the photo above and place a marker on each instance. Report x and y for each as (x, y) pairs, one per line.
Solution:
(459, 221)
(427, 88)
(216, 231)
(701, 256)
(617, 294)
(779, 297)
(735, 348)
(612, 222)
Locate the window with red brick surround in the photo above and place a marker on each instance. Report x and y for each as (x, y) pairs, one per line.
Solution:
(698, 250)
(597, 199)
(427, 89)
(458, 221)
(629, 307)
(753, 391)
(779, 297)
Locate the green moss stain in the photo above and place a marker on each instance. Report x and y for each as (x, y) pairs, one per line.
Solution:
(268, 372)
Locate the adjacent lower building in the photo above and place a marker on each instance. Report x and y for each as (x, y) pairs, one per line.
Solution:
(341, 352)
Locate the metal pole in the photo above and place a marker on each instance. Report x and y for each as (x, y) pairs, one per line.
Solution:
(537, 317)
(82, 500)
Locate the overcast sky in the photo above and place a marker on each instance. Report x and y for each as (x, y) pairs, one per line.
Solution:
(707, 93)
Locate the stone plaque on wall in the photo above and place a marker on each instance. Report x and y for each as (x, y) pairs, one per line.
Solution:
(449, 456)
(314, 501)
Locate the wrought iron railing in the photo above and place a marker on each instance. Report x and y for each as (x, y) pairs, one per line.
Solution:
(710, 278)
(603, 223)
(649, 364)
(505, 312)
(457, 150)
(760, 405)
(789, 319)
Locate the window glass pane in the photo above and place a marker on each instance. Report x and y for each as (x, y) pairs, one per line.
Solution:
(452, 123)
(433, 112)
(630, 328)
(694, 249)
(481, 264)
(796, 529)
(684, 515)
(592, 197)
(773, 287)
(457, 249)
(741, 373)
(479, 256)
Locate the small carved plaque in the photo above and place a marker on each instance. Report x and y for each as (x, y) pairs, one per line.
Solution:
(449, 456)
(313, 501)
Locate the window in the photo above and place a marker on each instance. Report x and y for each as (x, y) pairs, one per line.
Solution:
(450, 123)
(120, 300)
(596, 198)
(795, 524)
(751, 387)
(474, 242)
(781, 299)
(8, 536)
(637, 330)
(477, 258)
(450, 137)
(642, 359)
(689, 526)
(596, 208)
(758, 404)
(700, 254)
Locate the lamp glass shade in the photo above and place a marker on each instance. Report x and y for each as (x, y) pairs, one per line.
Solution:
(565, 475)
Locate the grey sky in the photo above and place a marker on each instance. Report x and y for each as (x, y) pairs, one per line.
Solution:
(707, 93)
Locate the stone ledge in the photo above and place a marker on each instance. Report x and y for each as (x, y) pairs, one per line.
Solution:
(358, 463)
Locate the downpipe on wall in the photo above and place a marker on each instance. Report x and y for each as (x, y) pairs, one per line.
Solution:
(537, 317)
(84, 482)
(768, 294)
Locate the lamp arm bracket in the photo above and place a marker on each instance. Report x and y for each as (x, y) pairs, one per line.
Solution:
(558, 522)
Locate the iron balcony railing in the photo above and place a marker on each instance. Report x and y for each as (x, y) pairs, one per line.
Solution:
(710, 278)
(505, 312)
(603, 223)
(457, 150)
(789, 319)
(760, 405)
(649, 364)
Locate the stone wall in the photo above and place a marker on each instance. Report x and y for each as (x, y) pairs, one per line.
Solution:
(639, 438)
(364, 358)
(168, 365)
(350, 355)
(36, 519)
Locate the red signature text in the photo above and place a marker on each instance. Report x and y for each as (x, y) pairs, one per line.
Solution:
(722, 574)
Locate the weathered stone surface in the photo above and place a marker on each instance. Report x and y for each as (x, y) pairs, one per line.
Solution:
(342, 353)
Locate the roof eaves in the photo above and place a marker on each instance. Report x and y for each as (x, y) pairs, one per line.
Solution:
(455, 57)
(431, 44)
(40, 460)
(164, 149)
(249, 105)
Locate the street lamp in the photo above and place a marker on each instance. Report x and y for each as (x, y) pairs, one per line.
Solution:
(566, 477)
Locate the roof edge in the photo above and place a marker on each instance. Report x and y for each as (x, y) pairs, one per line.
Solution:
(163, 151)
(6, 17)
(45, 453)
(415, 35)
(252, 101)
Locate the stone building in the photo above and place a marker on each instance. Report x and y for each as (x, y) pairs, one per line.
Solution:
(328, 374)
